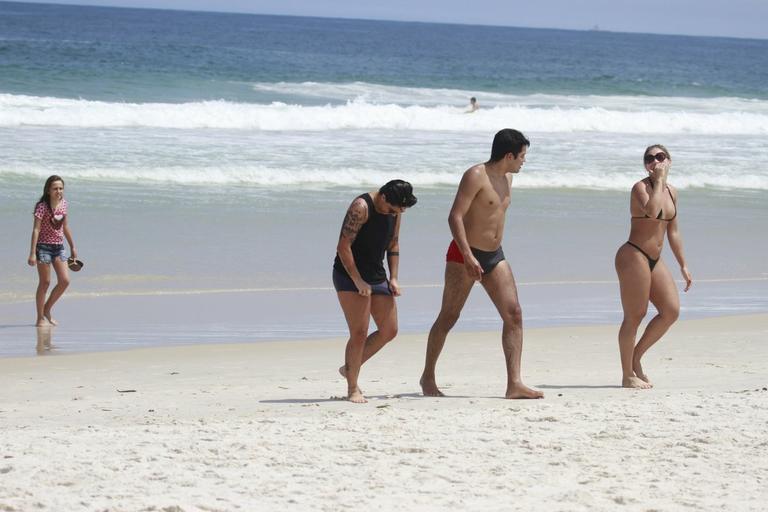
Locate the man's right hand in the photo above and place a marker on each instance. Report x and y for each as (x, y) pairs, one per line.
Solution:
(363, 288)
(473, 268)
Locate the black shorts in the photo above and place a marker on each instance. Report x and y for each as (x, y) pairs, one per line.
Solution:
(343, 283)
(488, 259)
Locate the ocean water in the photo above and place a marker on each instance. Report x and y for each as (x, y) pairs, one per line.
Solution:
(209, 159)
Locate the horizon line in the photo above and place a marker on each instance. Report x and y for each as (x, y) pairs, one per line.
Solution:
(595, 28)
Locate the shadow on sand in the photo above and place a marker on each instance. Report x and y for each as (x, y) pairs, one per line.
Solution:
(368, 397)
(556, 386)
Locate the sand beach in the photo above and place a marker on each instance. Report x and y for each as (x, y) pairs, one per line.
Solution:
(209, 159)
(258, 426)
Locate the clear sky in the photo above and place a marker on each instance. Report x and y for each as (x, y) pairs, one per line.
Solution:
(732, 18)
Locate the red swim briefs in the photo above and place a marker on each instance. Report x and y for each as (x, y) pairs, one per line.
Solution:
(454, 254)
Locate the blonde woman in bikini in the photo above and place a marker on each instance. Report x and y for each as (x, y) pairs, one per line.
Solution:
(643, 275)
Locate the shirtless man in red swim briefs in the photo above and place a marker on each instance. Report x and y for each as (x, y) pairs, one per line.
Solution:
(475, 254)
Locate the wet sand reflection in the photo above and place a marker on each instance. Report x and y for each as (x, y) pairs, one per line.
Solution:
(44, 335)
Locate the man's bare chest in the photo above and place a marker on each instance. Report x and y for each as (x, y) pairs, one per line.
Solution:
(494, 198)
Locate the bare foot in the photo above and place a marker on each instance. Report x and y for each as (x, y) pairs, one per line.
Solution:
(522, 391)
(41, 322)
(50, 318)
(429, 387)
(357, 397)
(637, 367)
(343, 372)
(635, 382)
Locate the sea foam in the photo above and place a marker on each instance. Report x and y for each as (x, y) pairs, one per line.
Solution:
(545, 114)
(533, 177)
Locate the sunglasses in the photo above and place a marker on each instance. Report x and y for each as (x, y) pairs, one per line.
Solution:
(659, 157)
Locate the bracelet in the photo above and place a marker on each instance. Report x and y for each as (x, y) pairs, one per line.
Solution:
(393, 253)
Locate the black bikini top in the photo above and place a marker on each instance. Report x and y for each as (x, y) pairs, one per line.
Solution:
(661, 211)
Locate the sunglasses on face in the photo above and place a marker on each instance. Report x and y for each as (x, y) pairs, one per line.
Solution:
(659, 157)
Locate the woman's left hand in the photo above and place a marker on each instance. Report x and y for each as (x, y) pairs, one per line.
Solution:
(394, 287)
(687, 277)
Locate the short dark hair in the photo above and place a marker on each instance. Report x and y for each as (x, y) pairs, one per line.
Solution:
(507, 141)
(398, 193)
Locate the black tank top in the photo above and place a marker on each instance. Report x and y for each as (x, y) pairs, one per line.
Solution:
(370, 245)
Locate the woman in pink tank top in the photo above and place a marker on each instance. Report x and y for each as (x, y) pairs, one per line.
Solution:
(47, 247)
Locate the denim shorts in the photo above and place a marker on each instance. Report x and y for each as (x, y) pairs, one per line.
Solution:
(344, 283)
(46, 253)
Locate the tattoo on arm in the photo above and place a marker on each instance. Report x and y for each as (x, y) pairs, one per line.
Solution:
(393, 253)
(353, 221)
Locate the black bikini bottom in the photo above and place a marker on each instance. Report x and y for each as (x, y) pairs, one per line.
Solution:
(651, 262)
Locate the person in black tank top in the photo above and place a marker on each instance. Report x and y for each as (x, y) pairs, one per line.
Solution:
(643, 275)
(370, 245)
(370, 230)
